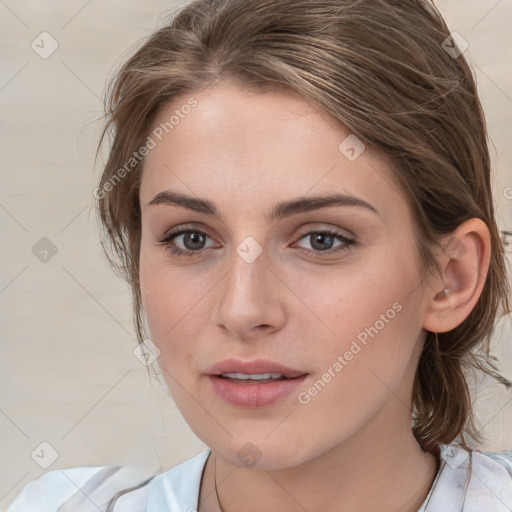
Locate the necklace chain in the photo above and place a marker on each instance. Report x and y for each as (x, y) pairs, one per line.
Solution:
(429, 496)
(215, 479)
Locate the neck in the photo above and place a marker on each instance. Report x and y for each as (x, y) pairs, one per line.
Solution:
(377, 469)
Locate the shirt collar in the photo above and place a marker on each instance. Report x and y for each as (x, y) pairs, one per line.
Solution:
(177, 490)
(469, 481)
(464, 478)
(449, 488)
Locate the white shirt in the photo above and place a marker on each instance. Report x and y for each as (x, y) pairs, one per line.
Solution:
(486, 487)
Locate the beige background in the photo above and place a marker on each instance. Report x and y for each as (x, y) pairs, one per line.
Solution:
(68, 373)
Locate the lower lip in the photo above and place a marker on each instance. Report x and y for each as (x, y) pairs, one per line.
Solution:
(254, 394)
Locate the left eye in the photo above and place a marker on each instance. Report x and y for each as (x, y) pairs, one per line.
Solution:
(193, 242)
(319, 240)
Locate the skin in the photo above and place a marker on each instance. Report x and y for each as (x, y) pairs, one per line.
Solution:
(350, 447)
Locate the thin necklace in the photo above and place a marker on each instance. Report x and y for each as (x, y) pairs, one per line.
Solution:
(426, 502)
(215, 479)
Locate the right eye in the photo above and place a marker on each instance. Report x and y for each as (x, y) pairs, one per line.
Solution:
(192, 240)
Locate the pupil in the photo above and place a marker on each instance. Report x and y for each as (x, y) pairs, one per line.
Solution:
(192, 237)
(321, 237)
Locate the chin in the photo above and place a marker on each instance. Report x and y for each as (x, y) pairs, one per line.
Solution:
(262, 453)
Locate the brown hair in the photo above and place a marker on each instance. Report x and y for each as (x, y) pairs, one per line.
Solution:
(379, 67)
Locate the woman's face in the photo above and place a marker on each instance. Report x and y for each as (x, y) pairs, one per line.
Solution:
(263, 290)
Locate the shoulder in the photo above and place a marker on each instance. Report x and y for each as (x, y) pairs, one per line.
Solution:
(74, 489)
(503, 458)
(473, 481)
(114, 489)
(491, 481)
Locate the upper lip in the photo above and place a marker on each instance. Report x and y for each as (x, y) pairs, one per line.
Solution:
(256, 366)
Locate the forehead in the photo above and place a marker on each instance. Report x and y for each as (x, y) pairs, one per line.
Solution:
(259, 147)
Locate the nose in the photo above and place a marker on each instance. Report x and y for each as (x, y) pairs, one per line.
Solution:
(250, 299)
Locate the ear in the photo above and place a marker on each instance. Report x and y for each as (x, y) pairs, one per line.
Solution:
(464, 263)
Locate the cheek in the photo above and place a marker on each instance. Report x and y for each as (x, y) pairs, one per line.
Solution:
(375, 314)
(172, 305)
(369, 365)
(171, 300)
(370, 320)
(365, 302)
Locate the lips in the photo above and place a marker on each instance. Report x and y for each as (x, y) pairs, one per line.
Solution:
(252, 384)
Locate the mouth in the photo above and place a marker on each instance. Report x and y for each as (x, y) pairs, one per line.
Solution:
(252, 384)
(254, 378)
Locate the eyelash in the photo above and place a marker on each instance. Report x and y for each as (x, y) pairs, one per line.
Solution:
(347, 245)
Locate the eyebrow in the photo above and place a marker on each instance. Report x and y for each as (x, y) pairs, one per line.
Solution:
(279, 211)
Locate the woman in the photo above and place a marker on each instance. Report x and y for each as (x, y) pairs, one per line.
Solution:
(298, 192)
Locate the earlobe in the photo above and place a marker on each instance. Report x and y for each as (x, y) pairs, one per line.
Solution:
(464, 263)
